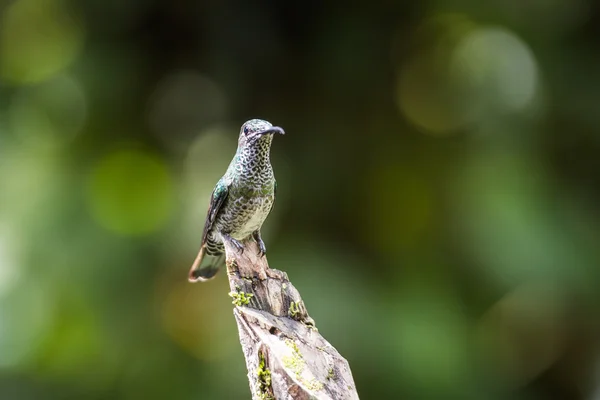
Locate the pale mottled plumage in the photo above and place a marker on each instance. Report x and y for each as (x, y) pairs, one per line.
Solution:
(241, 200)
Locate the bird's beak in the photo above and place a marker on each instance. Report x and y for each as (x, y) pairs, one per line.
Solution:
(271, 130)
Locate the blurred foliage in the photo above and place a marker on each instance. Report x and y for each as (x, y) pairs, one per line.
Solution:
(437, 206)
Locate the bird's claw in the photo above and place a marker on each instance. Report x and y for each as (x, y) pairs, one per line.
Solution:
(238, 245)
(262, 249)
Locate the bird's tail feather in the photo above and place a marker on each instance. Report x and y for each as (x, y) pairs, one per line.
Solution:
(205, 266)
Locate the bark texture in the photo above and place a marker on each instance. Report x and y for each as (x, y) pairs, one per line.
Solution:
(285, 355)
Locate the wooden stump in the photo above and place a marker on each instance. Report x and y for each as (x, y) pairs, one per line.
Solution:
(285, 355)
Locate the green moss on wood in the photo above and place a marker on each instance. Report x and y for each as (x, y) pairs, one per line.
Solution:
(264, 379)
(330, 373)
(240, 298)
(294, 311)
(295, 363)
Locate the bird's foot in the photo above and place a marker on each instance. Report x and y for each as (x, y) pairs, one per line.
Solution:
(261, 245)
(238, 245)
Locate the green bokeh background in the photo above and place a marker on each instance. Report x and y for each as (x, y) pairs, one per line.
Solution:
(438, 195)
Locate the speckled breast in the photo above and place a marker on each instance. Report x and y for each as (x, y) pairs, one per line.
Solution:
(244, 215)
(252, 216)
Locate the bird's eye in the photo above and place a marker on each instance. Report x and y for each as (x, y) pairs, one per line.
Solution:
(246, 130)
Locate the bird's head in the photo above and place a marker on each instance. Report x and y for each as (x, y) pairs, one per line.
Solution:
(257, 131)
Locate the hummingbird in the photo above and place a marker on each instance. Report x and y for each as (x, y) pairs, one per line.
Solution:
(241, 200)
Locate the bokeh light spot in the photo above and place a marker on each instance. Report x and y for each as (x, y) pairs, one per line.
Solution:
(496, 71)
(424, 99)
(424, 92)
(130, 192)
(38, 38)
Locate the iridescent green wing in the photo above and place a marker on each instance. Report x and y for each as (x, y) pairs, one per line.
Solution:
(217, 199)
